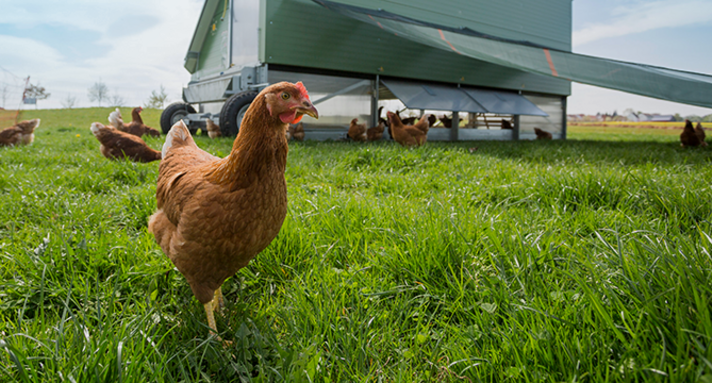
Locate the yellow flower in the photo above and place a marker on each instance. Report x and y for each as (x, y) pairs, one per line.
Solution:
(78, 135)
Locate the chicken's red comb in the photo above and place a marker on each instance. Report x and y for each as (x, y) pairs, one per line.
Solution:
(302, 90)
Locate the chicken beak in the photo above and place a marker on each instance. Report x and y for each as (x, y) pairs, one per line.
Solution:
(306, 107)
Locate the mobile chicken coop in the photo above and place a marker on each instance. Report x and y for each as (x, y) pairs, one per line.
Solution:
(491, 60)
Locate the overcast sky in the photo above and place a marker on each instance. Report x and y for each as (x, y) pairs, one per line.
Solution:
(134, 46)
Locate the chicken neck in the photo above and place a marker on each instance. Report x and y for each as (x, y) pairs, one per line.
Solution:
(259, 151)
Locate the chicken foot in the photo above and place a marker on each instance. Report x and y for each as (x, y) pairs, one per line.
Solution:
(217, 303)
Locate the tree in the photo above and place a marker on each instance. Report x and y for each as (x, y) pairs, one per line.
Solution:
(37, 92)
(157, 99)
(69, 102)
(677, 117)
(117, 100)
(98, 92)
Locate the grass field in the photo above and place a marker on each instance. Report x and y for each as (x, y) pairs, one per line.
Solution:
(562, 261)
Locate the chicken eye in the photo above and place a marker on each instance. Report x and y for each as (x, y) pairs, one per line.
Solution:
(285, 96)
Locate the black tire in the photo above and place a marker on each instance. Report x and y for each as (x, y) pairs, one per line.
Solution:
(232, 112)
(173, 113)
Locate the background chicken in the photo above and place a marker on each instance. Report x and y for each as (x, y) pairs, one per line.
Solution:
(447, 121)
(295, 132)
(542, 134)
(375, 133)
(357, 132)
(424, 124)
(689, 136)
(507, 125)
(406, 135)
(116, 144)
(700, 131)
(214, 215)
(20, 134)
(212, 128)
(135, 127)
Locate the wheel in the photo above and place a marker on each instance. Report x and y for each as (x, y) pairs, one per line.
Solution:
(173, 113)
(232, 112)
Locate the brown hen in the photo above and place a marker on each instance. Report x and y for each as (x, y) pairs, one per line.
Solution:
(700, 131)
(116, 144)
(135, 127)
(21, 134)
(375, 133)
(407, 135)
(689, 137)
(296, 132)
(357, 132)
(212, 128)
(542, 134)
(214, 215)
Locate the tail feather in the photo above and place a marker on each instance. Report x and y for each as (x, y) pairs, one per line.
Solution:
(178, 136)
(115, 118)
(97, 126)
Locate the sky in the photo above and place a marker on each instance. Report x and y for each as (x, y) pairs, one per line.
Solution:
(135, 47)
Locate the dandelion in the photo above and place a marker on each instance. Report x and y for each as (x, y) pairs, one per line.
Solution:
(78, 135)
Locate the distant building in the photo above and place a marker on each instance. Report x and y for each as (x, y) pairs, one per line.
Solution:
(655, 117)
(662, 118)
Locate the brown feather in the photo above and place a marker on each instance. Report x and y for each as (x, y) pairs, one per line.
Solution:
(116, 144)
(20, 134)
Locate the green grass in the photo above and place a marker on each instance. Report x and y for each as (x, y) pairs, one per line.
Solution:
(581, 260)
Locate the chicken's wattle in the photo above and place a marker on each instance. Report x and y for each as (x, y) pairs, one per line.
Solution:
(290, 117)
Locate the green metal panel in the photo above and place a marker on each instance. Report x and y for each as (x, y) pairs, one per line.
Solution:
(213, 57)
(201, 30)
(302, 33)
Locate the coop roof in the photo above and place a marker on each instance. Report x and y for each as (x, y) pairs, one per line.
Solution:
(463, 99)
(662, 83)
(201, 30)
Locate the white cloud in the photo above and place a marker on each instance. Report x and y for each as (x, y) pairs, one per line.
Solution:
(644, 17)
(138, 61)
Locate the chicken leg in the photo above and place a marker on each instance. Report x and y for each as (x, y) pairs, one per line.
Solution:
(217, 303)
(209, 308)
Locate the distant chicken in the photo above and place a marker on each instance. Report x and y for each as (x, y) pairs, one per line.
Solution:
(116, 144)
(295, 132)
(20, 134)
(212, 128)
(406, 135)
(700, 131)
(409, 120)
(507, 125)
(375, 133)
(381, 119)
(357, 132)
(432, 120)
(135, 127)
(689, 136)
(423, 124)
(542, 134)
(447, 121)
(216, 214)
